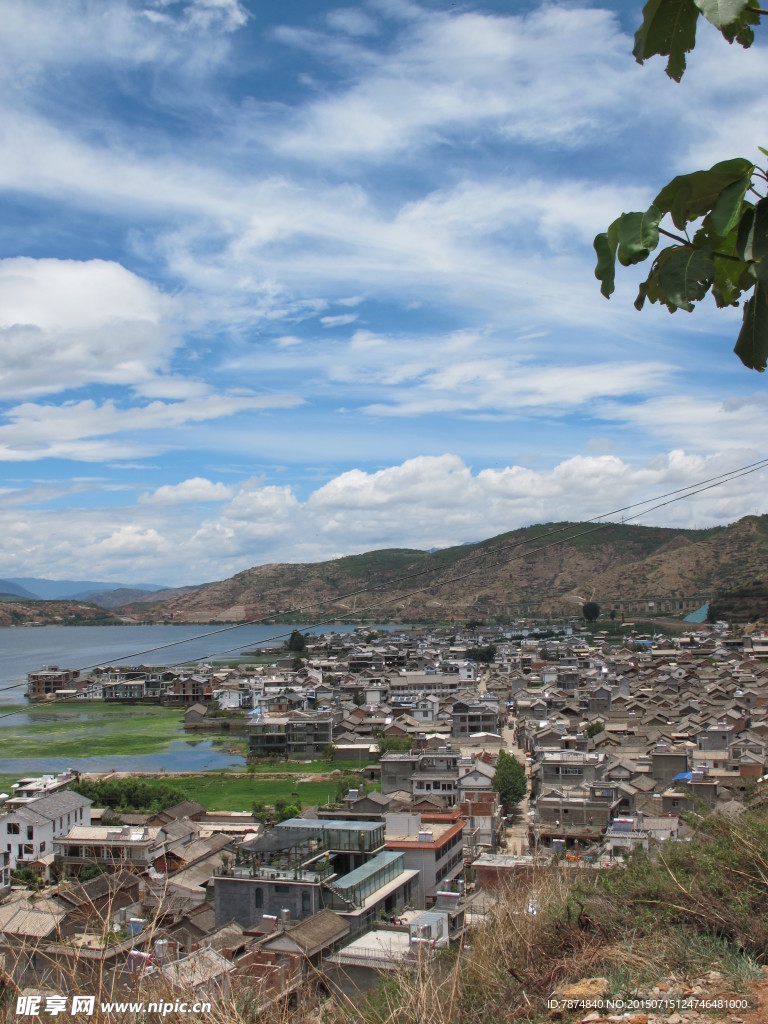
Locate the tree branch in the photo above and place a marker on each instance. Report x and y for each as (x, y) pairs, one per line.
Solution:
(675, 238)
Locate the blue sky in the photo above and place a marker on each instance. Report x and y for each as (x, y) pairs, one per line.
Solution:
(281, 282)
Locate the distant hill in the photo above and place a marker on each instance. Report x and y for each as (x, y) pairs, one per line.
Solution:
(17, 611)
(548, 569)
(8, 588)
(122, 596)
(748, 603)
(34, 588)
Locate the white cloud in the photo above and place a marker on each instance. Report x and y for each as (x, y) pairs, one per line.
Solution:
(74, 33)
(197, 489)
(438, 174)
(129, 541)
(65, 323)
(459, 71)
(76, 430)
(423, 502)
(352, 20)
(338, 321)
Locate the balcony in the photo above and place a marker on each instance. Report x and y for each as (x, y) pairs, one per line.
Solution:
(270, 873)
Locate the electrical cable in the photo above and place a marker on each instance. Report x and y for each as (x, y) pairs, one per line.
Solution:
(672, 497)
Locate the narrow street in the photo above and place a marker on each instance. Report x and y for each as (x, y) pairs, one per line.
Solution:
(515, 839)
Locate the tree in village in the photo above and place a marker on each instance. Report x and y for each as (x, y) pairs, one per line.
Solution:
(719, 216)
(591, 611)
(296, 642)
(509, 780)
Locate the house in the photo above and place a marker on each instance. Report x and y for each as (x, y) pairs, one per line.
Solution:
(313, 939)
(435, 850)
(299, 734)
(28, 828)
(204, 973)
(50, 681)
(304, 865)
(109, 846)
(477, 716)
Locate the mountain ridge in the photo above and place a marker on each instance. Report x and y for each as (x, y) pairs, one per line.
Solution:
(548, 569)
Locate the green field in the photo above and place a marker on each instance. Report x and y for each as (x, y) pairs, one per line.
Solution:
(225, 791)
(221, 791)
(275, 765)
(67, 730)
(72, 730)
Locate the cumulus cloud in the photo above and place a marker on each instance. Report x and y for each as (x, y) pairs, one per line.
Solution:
(436, 173)
(429, 501)
(192, 491)
(66, 323)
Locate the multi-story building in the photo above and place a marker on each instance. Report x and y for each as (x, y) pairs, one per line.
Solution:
(474, 717)
(567, 768)
(28, 829)
(108, 846)
(300, 734)
(51, 680)
(434, 850)
(305, 865)
(5, 872)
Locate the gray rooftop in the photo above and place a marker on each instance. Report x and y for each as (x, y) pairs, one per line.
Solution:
(56, 804)
(330, 824)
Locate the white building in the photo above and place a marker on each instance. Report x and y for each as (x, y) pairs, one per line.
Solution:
(27, 830)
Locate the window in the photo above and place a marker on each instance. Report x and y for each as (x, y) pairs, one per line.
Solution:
(259, 898)
(30, 832)
(42, 847)
(306, 902)
(13, 828)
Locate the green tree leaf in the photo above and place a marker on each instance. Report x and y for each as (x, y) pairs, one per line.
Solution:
(686, 277)
(727, 209)
(638, 234)
(729, 248)
(739, 28)
(729, 281)
(605, 245)
(668, 29)
(722, 12)
(650, 288)
(689, 196)
(752, 243)
(752, 343)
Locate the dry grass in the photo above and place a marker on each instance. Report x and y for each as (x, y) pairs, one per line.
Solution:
(701, 905)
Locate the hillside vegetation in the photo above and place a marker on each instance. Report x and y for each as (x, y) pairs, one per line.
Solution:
(15, 611)
(548, 569)
(748, 603)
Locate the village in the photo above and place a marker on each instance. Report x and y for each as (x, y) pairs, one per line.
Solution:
(617, 735)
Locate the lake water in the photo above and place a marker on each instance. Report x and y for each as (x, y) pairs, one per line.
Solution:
(179, 756)
(24, 650)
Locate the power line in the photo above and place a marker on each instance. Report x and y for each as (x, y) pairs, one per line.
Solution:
(671, 497)
(714, 481)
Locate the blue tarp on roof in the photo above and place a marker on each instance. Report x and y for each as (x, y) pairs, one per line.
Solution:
(683, 775)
